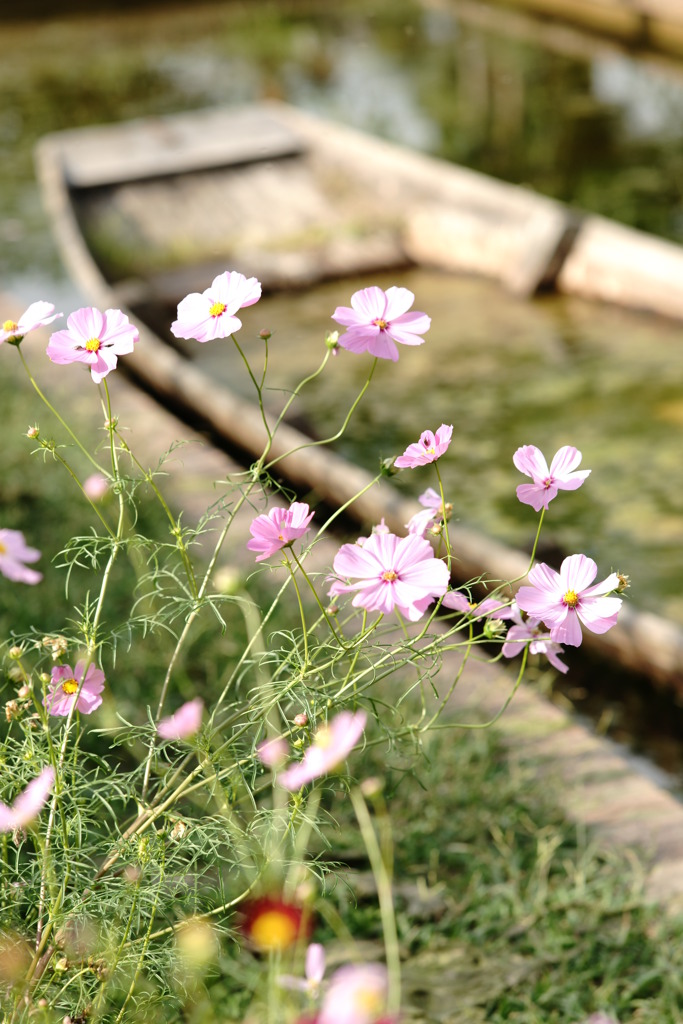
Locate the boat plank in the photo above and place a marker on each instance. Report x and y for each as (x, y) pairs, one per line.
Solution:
(159, 146)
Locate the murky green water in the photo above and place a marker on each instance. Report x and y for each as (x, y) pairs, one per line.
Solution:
(603, 132)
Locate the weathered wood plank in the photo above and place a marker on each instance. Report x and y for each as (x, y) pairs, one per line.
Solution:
(159, 146)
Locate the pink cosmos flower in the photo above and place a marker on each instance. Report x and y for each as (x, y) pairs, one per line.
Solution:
(64, 686)
(562, 475)
(184, 722)
(428, 449)
(28, 804)
(490, 607)
(94, 338)
(529, 632)
(391, 572)
(357, 994)
(563, 600)
(278, 528)
(38, 314)
(376, 320)
(314, 972)
(273, 752)
(432, 512)
(96, 486)
(13, 553)
(212, 314)
(331, 745)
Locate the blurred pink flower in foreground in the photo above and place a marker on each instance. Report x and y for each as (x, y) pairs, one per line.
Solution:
(563, 600)
(273, 752)
(94, 338)
(391, 572)
(428, 449)
(212, 314)
(38, 314)
(13, 553)
(184, 722)
(561, 476)
(490, 607)
(95, 486)
(64, 686)
(278, 528)
(313, 972)
(357, 994)
(376, 320)
(331, 744)
(529, 631)
(28, 804)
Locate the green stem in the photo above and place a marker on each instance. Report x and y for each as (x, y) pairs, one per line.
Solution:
(382, 878)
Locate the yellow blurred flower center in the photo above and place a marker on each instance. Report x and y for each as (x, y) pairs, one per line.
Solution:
(11, 326)
(390, 576)
(92, 345)
(274, 930)
(382, 324)
(571, 599)
(70, 686)
(3, 549)
(217, 309)
(369, 1001)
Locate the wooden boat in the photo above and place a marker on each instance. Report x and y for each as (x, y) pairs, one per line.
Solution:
(294, 200)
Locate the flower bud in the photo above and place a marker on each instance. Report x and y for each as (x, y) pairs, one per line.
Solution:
(387, 467)
(332, 341)
(265, 334)
(301, 719)
(33, 431)
(16, 651)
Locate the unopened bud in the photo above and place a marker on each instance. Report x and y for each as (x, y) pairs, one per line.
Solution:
(332, 341)
(265, 334)
(301, 719)
(493, 628)
(387, 467)
(16, 651)
(24, 691)
(33, 431)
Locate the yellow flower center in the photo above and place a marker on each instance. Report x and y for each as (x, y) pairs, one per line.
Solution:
(323, 737)
(382, 324)
(92, 345)
(10, 326)
(390, 576)
(70, 686)
(571, 599)
(274, 930)
(369, 1001)
(217, 309)
(430, 451)
(3, 549)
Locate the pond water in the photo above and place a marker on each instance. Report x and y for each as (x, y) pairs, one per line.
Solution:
(585, 123)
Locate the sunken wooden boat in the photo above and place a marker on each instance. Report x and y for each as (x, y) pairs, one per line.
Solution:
(295, 200)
